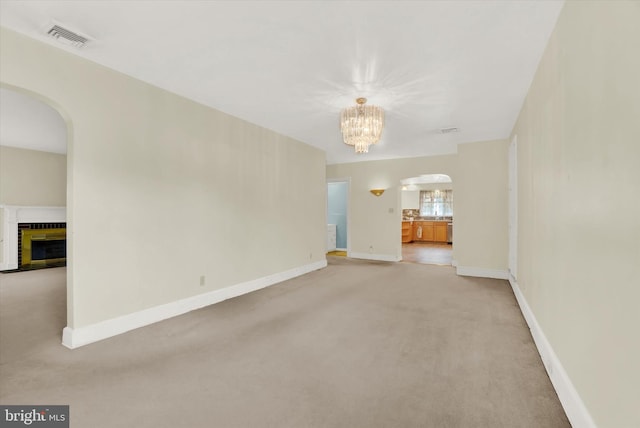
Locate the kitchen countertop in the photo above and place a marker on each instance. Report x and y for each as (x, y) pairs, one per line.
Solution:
(447, 220)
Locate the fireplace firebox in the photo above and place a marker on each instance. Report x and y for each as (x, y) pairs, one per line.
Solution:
(42, 245)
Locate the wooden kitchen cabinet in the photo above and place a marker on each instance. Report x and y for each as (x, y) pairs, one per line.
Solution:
(427, 231)
(430, 231)
(440, 231)
(423, 231)
(407, 231)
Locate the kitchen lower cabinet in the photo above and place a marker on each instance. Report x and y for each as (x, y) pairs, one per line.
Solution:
(430, 231)
(440, 231)
(407, 231)
(423, 231)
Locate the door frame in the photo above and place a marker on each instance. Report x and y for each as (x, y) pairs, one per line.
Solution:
(348, 181)
(513, 207)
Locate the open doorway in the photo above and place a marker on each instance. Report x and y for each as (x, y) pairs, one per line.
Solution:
(33, 142)
(338, 217)
(33, 220)
(427, 219)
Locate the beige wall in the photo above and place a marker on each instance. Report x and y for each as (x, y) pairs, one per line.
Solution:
(478, 173)
(34, 178)
(579, 205)
(163, 190)
(481, 205)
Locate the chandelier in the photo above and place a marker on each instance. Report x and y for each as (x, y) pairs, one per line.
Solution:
(361, 125)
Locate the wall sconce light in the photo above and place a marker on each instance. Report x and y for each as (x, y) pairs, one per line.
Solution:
(377, 192)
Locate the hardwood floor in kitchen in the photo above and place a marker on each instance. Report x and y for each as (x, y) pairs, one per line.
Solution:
(427, 253)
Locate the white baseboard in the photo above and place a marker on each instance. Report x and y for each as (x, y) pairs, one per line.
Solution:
(569, 398)
(481, 272)
(76, 337)
(454, 262)
(378, 257)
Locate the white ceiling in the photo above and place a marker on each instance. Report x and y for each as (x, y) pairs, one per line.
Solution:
(292, 66)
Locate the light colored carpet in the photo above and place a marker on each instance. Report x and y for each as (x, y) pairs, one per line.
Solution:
(358, 344)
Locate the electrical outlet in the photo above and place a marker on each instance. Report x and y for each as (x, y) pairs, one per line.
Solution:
(202, 280)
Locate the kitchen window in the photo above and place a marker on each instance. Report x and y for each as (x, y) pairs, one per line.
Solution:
(436, 203)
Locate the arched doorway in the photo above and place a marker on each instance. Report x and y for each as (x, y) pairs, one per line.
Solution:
(427, 219)
(34, 140)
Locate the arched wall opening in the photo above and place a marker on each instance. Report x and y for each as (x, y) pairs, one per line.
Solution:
(29, 118)
(427, 219)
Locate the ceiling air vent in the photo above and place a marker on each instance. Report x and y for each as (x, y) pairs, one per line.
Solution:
(67, 37)
(448, 130)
